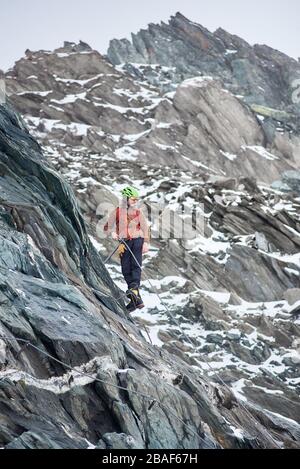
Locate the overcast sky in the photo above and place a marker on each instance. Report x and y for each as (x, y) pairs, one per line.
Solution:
(30, 24)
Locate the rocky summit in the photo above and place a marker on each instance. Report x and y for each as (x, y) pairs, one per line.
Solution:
(195, 120)
(264, 76)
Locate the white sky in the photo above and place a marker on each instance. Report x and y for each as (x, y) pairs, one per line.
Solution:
(30, 24)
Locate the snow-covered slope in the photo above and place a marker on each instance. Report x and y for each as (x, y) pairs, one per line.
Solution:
(228, 301)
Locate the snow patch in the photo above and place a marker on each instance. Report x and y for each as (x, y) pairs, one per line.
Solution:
(126, 153)
(260, 151)
(197, 82)
(230, 156)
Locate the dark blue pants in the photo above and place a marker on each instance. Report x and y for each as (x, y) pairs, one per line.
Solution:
(130, 269)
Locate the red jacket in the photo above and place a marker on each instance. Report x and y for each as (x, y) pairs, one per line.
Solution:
(128, 224)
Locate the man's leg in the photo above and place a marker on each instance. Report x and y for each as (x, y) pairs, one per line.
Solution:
(126, 266)
(137, 249)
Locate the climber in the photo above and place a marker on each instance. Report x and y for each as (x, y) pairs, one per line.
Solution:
(128, 223)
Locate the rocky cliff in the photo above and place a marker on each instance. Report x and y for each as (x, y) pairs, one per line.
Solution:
(262, 75)
(59, 387)
(78, 102)
(225, 331)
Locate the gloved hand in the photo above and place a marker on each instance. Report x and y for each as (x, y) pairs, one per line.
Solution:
(121, 249)
(114, 235)
(146, 247)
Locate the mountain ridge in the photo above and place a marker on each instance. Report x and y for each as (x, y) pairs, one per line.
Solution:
(184, 142)
(242, 67)
(65, 389)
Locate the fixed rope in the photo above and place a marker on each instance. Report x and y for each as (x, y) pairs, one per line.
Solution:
(191, 342)
(152, 399)
(184, 334)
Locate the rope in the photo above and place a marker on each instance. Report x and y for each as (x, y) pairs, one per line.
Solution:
(143, 395)
(189, 340)
(184, 334)
(110, 256)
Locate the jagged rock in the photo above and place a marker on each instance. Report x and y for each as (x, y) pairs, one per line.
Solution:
(281, 186)
(103, 127)
(292, 296)
(225, 183)
(290, 182)
(73, 47)
(207, 311)
(245, 272)
(294, 310)
(118, 441)
(261, 242)
(215, 338)
(287, 405)
(42, 438)
(268, 112)
(193, 50)
(75, 97)
(292, 179)
(234, 334)
(293, 360)
(60, 295)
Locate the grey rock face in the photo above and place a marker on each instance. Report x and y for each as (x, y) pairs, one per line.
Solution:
(183, 143)
(292, 296)
(261, 242)
(56, 293)
(254, 72)
(292, 179)
(290, 182)
(75, 100)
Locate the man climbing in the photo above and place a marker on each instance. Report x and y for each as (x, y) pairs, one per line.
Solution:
(128, 224)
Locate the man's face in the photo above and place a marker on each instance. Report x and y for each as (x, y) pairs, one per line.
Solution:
(132, 201)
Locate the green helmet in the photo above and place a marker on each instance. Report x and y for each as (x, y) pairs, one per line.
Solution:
(130, 192)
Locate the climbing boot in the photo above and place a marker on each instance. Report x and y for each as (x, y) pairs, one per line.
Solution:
(130, 307)
(135, 297)
(139, 303)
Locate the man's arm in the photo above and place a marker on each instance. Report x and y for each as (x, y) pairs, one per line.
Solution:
(145, 227)
(111, 222)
